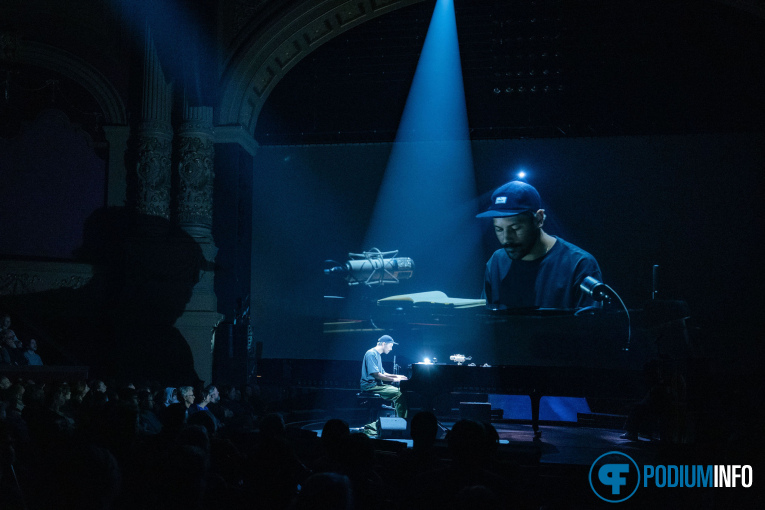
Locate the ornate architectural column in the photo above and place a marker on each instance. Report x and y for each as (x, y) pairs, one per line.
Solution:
(194, 212)
(195, 172)
(153, 140)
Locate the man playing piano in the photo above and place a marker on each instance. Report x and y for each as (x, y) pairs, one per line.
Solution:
(532, 269)
(374, 377)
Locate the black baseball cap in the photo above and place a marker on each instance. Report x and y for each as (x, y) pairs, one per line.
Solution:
(386, 339)
(511, 199)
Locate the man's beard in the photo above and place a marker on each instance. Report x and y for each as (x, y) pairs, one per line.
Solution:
(516, 251)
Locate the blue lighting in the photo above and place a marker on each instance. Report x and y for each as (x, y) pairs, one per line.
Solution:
(184, 41)
(426, 203)
(521, 174)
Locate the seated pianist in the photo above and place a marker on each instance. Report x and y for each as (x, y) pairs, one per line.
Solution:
(374, 377)
(532, 269)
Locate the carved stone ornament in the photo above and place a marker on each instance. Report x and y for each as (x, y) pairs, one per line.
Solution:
(153, 170)
(71, 282)
(9, 48)
(195, 171)
(17, 283)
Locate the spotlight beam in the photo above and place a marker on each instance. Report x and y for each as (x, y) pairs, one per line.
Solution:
(426, 200)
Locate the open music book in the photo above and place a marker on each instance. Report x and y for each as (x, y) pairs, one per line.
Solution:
(433, 297)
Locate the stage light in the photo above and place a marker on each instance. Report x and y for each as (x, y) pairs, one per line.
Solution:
(521, 174)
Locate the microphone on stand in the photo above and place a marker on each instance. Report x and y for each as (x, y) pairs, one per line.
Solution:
(598, 290)
(373, 267)
(395, 370)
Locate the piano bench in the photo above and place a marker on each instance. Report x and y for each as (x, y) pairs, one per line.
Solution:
(375, 404)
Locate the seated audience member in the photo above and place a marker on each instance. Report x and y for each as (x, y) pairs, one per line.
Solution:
(334, 440)
(5, 356)
(14, 403)
(360, 466)
(274, 471)
(30, 353)
(209, 395)
(11, 496)
(148, 421)
(128, 394)
(34, 401)
(325, 491)
(5, 383)
(187, 397)
(92, 399)
(171, 396)
(15, 397)
(206, 420)
(5, 325)
(48, 424)
(173, 419)
(9, 353)
(97, 385)
(468, 448)
(5, 322)
(422, 457)
(185, 471)
(79, 390)
(74, 402)
(69, 408)
(233, 411)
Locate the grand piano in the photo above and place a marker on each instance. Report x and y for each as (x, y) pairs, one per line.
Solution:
(597, 354)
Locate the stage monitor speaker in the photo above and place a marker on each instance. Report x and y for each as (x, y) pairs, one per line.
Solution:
(230, 355)
(476, 411)
(391, 428)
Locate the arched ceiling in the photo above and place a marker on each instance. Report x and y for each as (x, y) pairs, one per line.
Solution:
(335, 71)
(317, 71)
(274, 41)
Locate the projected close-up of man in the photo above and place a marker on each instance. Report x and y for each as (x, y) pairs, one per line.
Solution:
(532, 268)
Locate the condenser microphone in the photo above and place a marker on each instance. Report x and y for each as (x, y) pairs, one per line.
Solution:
(374, 267)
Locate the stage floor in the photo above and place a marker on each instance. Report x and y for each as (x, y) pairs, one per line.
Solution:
(560, 444)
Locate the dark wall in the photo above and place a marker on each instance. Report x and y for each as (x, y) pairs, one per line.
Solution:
(687, 203)
(232, 227)
(51, 180)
